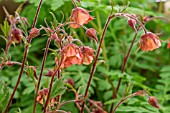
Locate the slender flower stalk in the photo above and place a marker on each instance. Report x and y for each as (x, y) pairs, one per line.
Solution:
(121, 101)
(42, 68)
(51, 84)
(123, 67)
(24, 58)
(96, 58)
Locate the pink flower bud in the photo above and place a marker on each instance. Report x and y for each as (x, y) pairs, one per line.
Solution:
(149, 42)
(16, 35)
(49, 73)
(153, 101)
(132, 23)
(9, 63)
(70, 81)
(91, 33)
(53, 37)
(140, 93)
(34, 32)
(80, 16)
(146, 19)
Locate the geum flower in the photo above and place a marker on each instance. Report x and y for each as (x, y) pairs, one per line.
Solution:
(72, 55)
(42, 96)
(88, 55)
(80, 16)
(149, 42)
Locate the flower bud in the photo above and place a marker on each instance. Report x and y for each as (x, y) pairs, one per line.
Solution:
(34, 32)
(49, 73)
(153, 101)
(53, 37)
(132, 23)
(91, 33)
(9, 63)
(70, 81)
(146, 19)
(16, 35)
(140, 93)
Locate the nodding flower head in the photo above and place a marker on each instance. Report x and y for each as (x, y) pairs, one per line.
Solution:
(149, 42)
(91, 33)
(72, 55)
(153, 101)
(88, 55)
(80, 16)
(34, 33)
(16, 35)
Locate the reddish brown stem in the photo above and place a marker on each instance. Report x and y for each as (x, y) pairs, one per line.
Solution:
(24, 59)
(96, 58)
(123, 68)
(41, 72)
(51, 84)
(37, 13)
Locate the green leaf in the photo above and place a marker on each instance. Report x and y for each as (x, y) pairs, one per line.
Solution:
(56, 4)
(58, 88)
(4, 95)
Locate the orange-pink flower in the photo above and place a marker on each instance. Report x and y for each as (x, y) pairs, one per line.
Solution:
(42, 96)
(88, 55)
(80, 16)
(72, 55)
(149, 42)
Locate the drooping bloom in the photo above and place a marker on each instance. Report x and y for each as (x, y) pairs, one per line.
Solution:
(149, 42)
(16, 35)
(80, 16)
(42, 96)
(153, 101)
(91, 33)
(88, 55)
(72, 55)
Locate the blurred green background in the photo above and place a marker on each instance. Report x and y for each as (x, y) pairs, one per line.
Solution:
(144, 71)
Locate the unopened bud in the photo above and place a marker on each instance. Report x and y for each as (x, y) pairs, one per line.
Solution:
(153, 101)
(9, 63)
(49, 73)
(53, 37)
(146, 19)
(71, 81)
(16, 35)
(34, 32)
(132, 23)
(91, 33)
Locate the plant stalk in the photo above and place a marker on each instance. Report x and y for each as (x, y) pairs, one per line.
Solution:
(96, 58)
(123, 68)
(24, 59)
(41, 72)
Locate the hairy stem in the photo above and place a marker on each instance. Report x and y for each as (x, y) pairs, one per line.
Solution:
(121, 101)
(96, 58)
(41, 72)
(24, 59)
(51, 84)
(123, 68)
